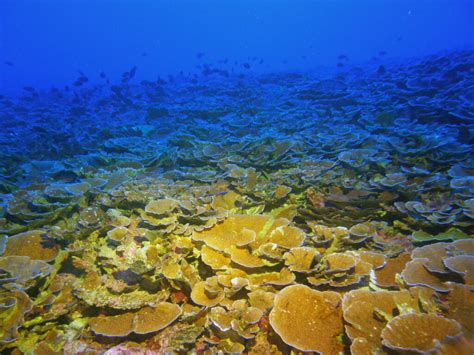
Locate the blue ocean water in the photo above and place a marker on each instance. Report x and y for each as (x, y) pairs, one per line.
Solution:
(236, 176)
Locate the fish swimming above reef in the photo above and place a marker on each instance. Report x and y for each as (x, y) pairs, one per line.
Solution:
(128, 75)
(29, 89)
(81, 80)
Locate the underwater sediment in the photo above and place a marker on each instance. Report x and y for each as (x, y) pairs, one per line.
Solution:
(261, 214)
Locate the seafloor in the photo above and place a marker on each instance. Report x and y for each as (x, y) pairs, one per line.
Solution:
(242, 213)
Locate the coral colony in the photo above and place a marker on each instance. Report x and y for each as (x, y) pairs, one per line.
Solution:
(261, 214)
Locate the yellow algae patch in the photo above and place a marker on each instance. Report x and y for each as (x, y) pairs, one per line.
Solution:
(146, 320)
(307, 319)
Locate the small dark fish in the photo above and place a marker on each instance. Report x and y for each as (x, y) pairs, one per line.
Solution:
(132, 72)
(199, 55)
(102, 75)
(29, 88)
(126, 76)
(144, 54)
(342, 57)
(81, 80)
(246, 65)
(39, 129)
(10, 64)
(382, 53)
(339, 65)
(381, 70)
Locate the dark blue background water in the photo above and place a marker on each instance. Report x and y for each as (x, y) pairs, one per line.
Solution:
(48, 41)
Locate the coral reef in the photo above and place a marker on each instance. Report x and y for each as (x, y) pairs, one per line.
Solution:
(261, 214)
